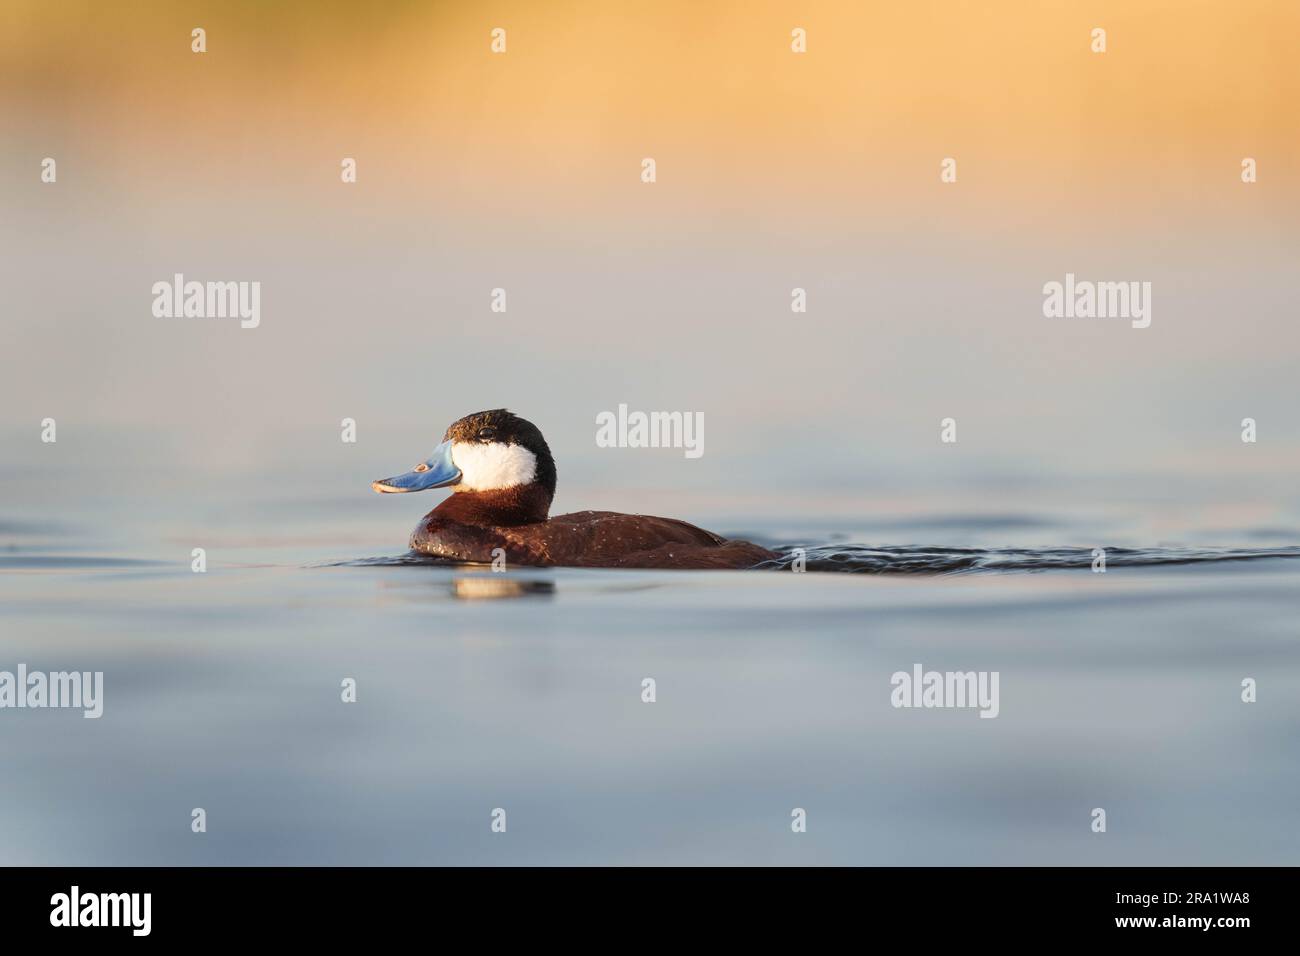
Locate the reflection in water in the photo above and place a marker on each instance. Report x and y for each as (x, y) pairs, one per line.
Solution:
(493, 587)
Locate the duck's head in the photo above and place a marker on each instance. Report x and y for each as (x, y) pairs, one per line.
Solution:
(493, 454)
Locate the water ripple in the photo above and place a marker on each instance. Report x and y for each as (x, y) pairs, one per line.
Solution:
(857, 559)
(911, 559)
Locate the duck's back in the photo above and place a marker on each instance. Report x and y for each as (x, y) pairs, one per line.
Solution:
(610, 539)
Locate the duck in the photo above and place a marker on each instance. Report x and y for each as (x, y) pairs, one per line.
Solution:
(502, 477)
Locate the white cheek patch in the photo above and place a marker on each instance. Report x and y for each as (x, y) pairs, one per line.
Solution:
(492, 466)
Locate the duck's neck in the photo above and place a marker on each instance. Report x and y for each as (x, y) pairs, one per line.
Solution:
(521, 504)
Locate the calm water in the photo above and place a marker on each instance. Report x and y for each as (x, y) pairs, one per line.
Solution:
(523, 691)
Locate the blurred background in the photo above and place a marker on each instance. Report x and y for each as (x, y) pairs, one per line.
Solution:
(775, 171)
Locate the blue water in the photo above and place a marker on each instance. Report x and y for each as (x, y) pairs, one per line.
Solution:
(522, 691)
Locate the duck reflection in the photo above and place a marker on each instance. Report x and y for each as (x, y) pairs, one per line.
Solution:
(490, 587)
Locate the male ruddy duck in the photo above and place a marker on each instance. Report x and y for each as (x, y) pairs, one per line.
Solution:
(503, 480)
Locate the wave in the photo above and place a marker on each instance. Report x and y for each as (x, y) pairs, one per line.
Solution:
(857, 559)
(911, 559)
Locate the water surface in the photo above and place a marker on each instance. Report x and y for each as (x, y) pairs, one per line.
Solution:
(522, 690)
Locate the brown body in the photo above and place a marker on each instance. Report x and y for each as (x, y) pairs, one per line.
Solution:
(470, 526)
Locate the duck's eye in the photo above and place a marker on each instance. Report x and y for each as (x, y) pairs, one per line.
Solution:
(487, 434)
(421, 467)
